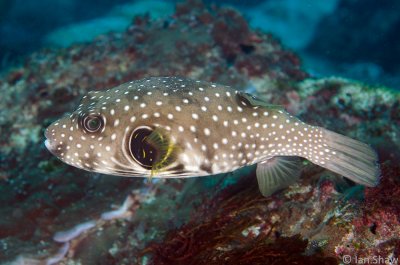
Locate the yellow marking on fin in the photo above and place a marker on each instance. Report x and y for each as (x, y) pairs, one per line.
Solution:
(167, 150)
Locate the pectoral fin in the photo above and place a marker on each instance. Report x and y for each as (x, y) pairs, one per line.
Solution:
(277, 173)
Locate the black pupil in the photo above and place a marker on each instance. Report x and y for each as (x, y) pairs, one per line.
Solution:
(143, 152)
(92, 123)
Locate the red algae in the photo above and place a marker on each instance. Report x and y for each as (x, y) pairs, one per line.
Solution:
(231, 231)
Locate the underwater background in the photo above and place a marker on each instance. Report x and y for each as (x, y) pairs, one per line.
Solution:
(332, 63)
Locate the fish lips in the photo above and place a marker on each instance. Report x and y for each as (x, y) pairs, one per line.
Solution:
(50, 145)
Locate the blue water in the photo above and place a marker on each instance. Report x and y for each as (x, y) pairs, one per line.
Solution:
(355, 39)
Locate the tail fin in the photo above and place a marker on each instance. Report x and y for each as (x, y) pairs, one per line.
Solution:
(348, 157)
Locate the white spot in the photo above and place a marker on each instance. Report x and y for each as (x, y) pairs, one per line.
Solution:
(113, 136)
(156, 114)
(207, 99)
(204, 108)
(142, 105)
(178, 108)
(159, 103)
(195, 116)
(145, 116)
(116, 122)
(133, 118)
(108, 148)
(185, 158)
(170, 116)
(112, 111)
(224, 140)
(180, 128)
(215, 118)
(207, 131)
(193, 128)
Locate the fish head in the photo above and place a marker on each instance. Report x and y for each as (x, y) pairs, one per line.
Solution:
(94, 137)
(122, 131)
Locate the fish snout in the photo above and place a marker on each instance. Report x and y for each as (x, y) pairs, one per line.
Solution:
(47, 133)
(50, 142)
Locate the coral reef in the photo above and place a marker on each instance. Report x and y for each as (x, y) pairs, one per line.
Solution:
(231, 229)
(52, 213)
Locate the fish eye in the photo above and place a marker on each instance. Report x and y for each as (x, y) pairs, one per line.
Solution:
(143, 152)
(93, 123)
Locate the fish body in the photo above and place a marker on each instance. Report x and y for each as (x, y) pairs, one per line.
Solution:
(176, 127)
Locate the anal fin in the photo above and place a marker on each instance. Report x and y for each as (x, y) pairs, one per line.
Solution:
(277, 173)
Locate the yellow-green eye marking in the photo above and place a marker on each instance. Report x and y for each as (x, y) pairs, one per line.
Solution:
(151, 149)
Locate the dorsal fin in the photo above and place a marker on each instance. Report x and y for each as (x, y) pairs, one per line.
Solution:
(249, 100)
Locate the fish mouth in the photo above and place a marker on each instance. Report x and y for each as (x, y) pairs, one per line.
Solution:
(49, 146)
(48, 143)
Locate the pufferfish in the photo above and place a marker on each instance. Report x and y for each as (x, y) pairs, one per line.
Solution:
(171, 127)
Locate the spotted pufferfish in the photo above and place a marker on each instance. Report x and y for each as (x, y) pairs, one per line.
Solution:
(172, 127)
